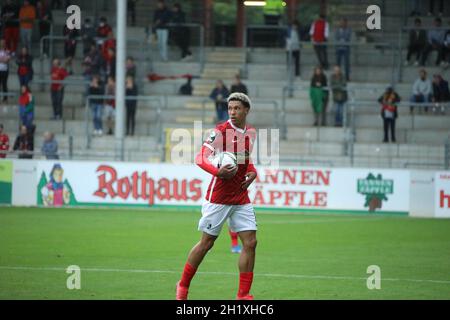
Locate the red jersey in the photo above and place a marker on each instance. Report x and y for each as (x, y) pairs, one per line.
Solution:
(58, 74)
(227, 137)
(4, 144)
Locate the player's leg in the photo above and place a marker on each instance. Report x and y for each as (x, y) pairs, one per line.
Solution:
(243, 221)
(246, 263)
(235, 247)
(213, 218)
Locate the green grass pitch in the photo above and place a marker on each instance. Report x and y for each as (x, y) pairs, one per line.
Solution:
(139, 254)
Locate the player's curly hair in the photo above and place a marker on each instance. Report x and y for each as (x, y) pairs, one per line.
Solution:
(243, 98)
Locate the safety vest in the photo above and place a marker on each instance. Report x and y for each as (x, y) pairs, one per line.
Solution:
(273, 7)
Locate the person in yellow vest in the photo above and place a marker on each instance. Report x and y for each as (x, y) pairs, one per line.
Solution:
(273, 11)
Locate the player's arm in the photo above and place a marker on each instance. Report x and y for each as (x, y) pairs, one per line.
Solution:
(250, 176)
(225, 172)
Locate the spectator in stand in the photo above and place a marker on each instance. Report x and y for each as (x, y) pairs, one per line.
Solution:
(92, 64)
(293, 46)
(131, 105)
(273, 11)
(441, 8)
(186, 89)
(4, 143)
(319, 96)
(435, 42)
(161, 18)
(44, 14)
(109, 43)
(25, 67)
(422, 90)
(70, 45)
(103, 30)
(181, 34)
(389, 114)
(417, 42)
(238, 86)
(220, 94)
(25, 143)
(339, 87)
(131, 6)
(319, 35)
(27, 16)
(343, 36)
(5, 57)
(10, 18)
(441, 92)
(110, 64)
(26, 107)
(446, 50)
(50, 146)
(130, 67)
(58, 73)
(96, 89)
(110, 105)
(88, 34)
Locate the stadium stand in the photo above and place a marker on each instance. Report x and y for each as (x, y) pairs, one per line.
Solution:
(422, 139)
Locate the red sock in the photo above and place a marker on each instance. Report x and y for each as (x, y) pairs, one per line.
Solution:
(188, 274)
(234, 238)
(245, 283)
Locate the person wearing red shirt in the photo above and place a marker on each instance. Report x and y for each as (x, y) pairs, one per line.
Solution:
(103, 30)
(319, 33)
(4, 143)
(227, 196)
(58, 73)
(110, 43)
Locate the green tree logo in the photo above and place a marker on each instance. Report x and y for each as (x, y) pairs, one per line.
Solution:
(375, 190)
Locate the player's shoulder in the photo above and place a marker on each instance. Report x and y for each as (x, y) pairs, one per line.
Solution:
(222, 126)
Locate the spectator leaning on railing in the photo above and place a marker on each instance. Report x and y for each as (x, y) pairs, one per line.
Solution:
(25, 143)
(4, 142)
(422, 90)
(50, 146)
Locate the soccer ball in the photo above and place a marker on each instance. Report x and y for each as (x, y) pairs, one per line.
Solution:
(224, 158)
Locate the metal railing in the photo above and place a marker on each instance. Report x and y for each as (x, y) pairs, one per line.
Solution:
(201, 39)
(159, 109)
(61, 155)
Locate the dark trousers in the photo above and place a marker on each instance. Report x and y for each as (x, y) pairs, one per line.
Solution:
(322, 56)
(389, 124)
(25, 80)
(414, 48)
(182, 39)
(132, 13)
(44, 30)
(343, 57)
(4, 83)
(57, 103)
(428, 49)
(131, 120)
(296, 57)
(441, 6)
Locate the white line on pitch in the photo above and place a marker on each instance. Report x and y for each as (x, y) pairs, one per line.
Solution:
(318, 221)
(273, 275)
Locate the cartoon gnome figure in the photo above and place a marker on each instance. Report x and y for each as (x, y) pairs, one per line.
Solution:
(55, 193)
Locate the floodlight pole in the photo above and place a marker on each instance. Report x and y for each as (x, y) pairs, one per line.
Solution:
(121, 8)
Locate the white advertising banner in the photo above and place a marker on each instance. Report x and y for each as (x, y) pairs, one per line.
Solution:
(442, 195)
(299, 189)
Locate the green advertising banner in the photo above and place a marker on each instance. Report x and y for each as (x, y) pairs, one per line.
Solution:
(5, 181)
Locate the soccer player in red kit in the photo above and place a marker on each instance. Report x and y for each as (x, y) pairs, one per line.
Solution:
(227, 196)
